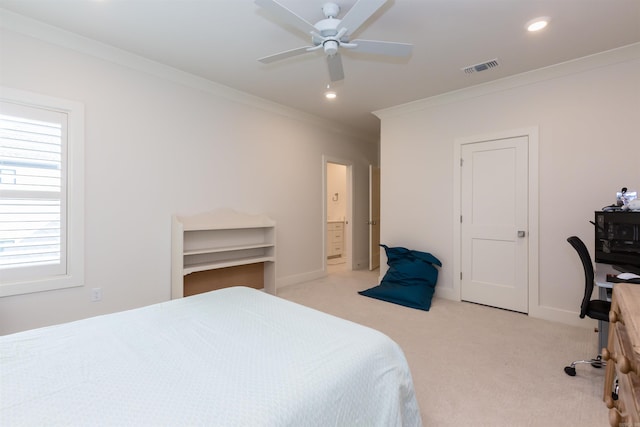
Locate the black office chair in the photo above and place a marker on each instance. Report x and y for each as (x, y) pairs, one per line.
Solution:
(595, 309)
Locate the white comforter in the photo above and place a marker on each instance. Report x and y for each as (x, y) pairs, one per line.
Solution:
(233, 357)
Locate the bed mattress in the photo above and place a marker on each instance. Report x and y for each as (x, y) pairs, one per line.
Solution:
(232, 357)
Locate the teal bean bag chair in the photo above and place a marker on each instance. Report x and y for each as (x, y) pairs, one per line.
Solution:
(410, 280)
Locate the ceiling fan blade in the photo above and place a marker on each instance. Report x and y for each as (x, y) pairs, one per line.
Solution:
(382, 48)
(359, 13)
(336, 73)
(286, 15)
(286, 54)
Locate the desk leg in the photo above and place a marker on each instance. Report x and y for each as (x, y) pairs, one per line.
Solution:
(603, 335)
(603, 327)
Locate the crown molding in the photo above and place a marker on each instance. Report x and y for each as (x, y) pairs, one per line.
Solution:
(610, 57)
(50, 34)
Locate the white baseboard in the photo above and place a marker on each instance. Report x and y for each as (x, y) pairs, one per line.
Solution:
(446, 293)
(540, 312)
(299, 278)
(562, 316)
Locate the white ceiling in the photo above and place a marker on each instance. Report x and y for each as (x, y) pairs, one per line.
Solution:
(221, 40)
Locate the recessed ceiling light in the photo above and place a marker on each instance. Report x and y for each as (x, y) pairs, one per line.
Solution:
(538, 24)
(330, 94)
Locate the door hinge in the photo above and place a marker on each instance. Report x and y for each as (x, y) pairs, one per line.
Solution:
(460, 219)
(461, 275)
(461, 161)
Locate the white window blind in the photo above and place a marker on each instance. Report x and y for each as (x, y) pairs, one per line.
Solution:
(35, 221)
(31, 185)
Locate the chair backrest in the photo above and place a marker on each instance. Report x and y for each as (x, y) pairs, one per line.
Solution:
(583, 252)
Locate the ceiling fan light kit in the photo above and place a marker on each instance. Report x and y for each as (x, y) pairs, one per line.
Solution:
(331, 33)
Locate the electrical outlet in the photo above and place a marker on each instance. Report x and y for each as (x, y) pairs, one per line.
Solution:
(96, 294)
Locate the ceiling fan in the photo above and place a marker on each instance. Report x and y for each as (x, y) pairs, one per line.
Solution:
(332, 33)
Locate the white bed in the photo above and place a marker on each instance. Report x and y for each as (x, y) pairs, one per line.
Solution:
(233, 357)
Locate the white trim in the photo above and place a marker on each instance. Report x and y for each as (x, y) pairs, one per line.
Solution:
(532, 134)
(623, 54)
(299, 278)
(446, 293)
(75, 192)
(566, 317)
(50, 34)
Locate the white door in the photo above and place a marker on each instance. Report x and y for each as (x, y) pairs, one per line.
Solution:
(494, 228)
(374, 217)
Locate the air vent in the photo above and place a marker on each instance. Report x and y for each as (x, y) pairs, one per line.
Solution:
(481, 67)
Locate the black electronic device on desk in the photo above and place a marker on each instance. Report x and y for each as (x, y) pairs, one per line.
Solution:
(617, 240)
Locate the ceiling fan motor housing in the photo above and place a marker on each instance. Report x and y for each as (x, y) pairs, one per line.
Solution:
(327, 28)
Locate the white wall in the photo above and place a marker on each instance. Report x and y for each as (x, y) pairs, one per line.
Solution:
(160, 142)
(588, 114)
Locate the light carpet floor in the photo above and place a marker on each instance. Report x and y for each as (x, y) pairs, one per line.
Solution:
(474, 365)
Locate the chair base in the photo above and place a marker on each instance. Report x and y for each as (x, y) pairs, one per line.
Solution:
(596, 362)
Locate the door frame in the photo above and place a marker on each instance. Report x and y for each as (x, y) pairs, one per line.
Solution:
(532, 134)
(374, 192)
(348, 229)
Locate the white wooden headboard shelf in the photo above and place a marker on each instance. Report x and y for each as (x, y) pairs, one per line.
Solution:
(222, 248)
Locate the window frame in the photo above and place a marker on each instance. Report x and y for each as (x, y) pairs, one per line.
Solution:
(74, 224)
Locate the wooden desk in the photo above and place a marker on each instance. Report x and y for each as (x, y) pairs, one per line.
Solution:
(623, 356)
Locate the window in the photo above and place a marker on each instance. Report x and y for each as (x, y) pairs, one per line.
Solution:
(41, 193)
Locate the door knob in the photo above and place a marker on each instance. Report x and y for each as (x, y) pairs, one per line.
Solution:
(521, 233)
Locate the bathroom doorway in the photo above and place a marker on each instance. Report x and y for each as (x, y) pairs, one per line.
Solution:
(337, 254)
